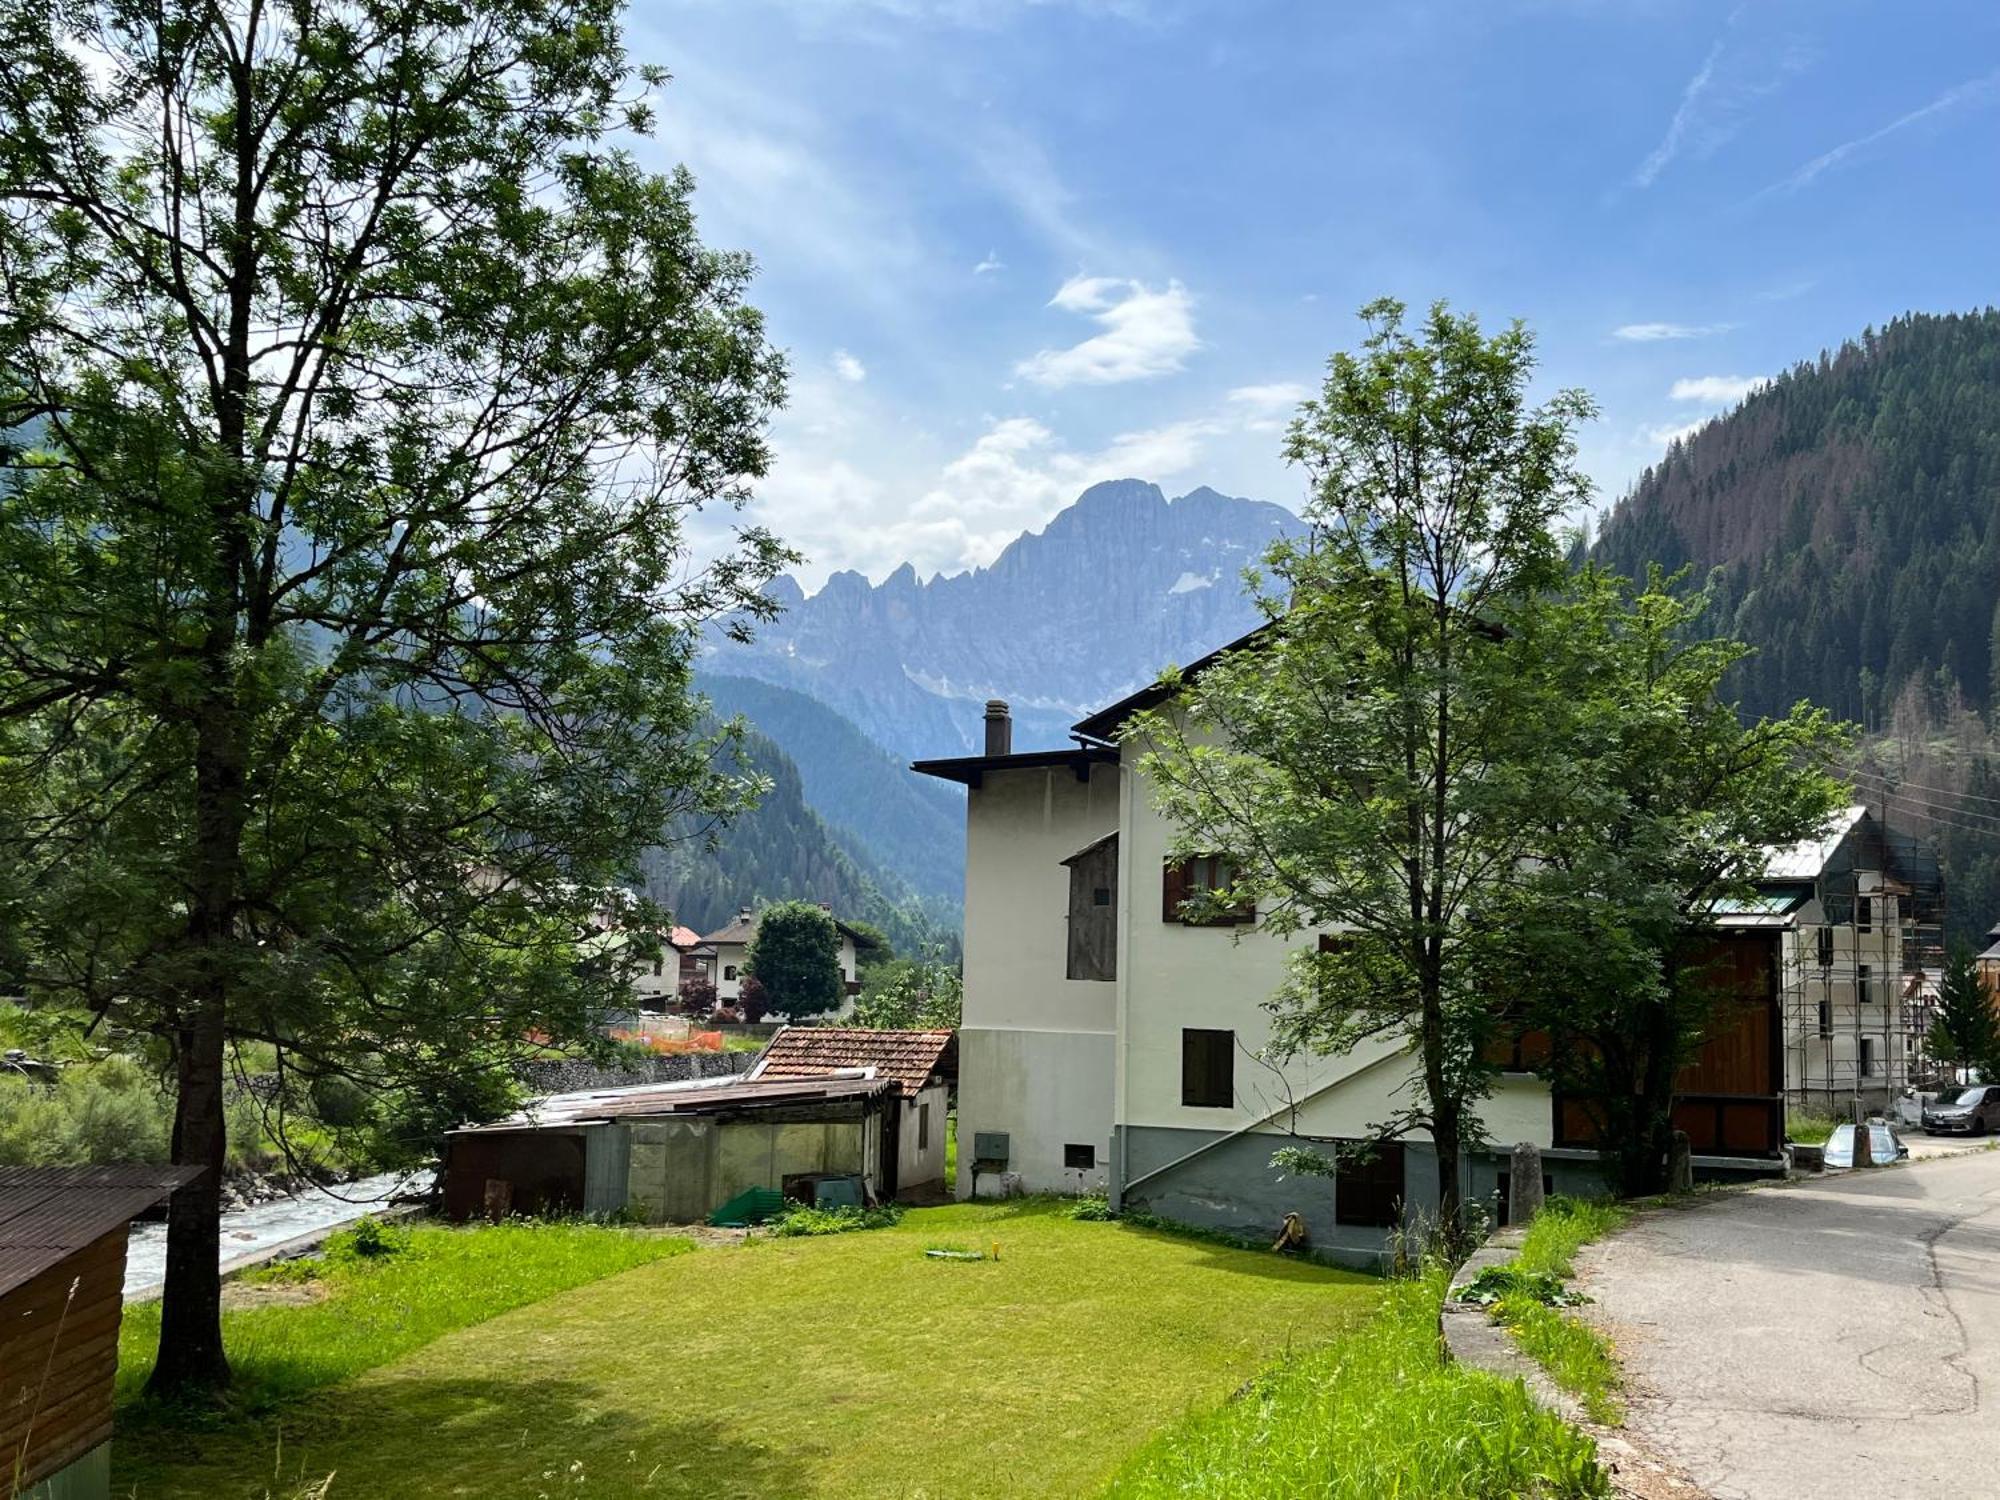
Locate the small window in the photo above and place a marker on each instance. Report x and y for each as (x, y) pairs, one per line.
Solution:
(1080, 1158)
(1826, 1018)
(1824, 938)
(659, 967)
(1864, 912)
(1368, 1184)
(1864, 983)
(1100, 896)
(729, 971)
(1868, 1057)
(923, 1127)
(1208, 1068)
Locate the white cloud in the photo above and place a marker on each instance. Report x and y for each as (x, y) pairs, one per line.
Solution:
(1267, 408)
(1981, 90)
(1666, 436)
(1146, 333)
(1649, 333)
(848, 368)
(1717, 390)
(989, 265)
(1716, 102)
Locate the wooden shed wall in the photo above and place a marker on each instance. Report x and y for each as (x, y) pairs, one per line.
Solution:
(58, 1357)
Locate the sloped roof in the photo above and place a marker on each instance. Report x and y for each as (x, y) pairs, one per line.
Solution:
(911, 1058)
(683, 938)
(688, 1097)
(743, 926)
(1804, 861)
(46, 1213)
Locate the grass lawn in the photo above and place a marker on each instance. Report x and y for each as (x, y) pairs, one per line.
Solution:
(847, 1365)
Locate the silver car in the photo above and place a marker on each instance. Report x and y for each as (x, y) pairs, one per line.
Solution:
(1973, 1110)
(1883, 1144)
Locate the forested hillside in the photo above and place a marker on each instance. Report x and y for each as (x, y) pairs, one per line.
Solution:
(782, 849)
(1850, 514)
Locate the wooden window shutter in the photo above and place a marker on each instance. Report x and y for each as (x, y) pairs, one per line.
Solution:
(1173, 889)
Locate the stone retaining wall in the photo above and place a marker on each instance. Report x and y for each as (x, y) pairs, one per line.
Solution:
(573, 1075)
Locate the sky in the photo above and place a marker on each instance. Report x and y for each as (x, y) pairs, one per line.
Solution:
(1013, 247)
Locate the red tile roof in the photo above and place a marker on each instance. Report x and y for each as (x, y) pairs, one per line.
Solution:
(911, 1058)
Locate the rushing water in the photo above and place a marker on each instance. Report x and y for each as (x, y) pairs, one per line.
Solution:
(256, 1229)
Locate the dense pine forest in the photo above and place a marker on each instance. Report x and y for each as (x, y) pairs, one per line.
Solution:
(1847, 519)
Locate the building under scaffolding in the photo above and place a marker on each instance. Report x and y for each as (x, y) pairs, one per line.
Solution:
(1860, 916)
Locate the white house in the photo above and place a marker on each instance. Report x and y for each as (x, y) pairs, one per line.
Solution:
(725, 948)
(1108, 1044)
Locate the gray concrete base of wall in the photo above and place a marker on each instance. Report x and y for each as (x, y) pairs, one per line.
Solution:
(88, 1478)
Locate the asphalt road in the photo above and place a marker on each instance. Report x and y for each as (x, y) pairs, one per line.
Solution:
(1838, 1336)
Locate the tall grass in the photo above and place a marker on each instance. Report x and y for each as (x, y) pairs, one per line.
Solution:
(330, 1319)
(1563, 1227)
(1807, 1128)
(1576, 1356)
(1377, 1413)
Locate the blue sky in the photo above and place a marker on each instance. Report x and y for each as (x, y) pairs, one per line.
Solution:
(1016, 246)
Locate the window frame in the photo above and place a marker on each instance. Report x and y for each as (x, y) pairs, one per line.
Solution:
(1217, 1089)
(1071, 1149)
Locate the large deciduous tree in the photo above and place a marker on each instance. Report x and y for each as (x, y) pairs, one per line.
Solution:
(794, 957)
(1356, 765)
(1653, 806)
(357, 388)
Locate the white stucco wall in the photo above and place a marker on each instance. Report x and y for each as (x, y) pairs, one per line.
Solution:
(728, 972)
(1046, 1090)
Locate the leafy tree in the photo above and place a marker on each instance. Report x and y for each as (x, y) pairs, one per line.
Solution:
(1353, 764)
(358, 388)
(1653, 802)
(795, 958)
(905, 995)
(1970, 1031)
(751, 1001)
(696, 999)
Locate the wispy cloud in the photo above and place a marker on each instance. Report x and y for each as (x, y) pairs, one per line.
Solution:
(1266, 408)
(1667, 435)
(1146, 333)
(1976, 91)
(848, 368)
(1716, 102)
(1650, 333)
(989, 265)
(1717, 390)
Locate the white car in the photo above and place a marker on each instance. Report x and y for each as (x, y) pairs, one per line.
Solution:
(1883, 1142)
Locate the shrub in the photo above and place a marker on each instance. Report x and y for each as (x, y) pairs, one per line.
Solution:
(110, 1111)
(802, 1219)
(1093, 1208)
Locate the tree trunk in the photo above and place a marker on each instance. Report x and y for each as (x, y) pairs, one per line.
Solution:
(191, 1360)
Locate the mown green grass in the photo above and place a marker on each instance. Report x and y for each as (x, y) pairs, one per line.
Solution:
(1377, 1413)
(843, 1365)
(326, 1321)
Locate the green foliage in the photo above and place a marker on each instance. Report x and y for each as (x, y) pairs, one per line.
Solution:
(345, 571)
(1564, 1226)
(111, 1111)
(1808, 1129)
(1378, 1412)
(795, 956)
(802, 1220)
(905, 995)
(1970, 1031)
(1575, 1354)
(1497, 1283)
(1092, 1208)
(1358, 765)
(364, 1307)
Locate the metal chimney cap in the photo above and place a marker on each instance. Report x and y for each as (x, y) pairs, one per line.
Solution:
(996, 708)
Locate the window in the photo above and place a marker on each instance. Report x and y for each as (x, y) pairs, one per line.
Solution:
(1864, 983)
(659, 967)
(1100, 895)
(1080, 1158)
(1208, 1068)
(729, 971)
(1184, 880)
(1368, 1188)
(1826, 1018)
(923, 1127)
(1864, 912)
(1825, 944)
(1868, 1057)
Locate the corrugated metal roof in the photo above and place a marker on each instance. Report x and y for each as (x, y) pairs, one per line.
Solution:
(909, 1057)
(595, 1106)
(1804, 861)
(46, 1213)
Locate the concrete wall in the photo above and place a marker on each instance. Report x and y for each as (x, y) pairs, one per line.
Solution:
(917, 1165)
(682, 1170)
(569, 1076)
(1036, 1048)
(87, 1478)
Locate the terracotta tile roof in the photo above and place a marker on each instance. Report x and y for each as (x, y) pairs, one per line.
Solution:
(48, 1212)
(683, 938)
(912, 1058)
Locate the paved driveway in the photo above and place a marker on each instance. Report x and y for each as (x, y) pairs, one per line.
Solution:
(1835, 1337)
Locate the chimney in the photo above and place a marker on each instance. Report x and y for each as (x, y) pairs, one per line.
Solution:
(999, 728)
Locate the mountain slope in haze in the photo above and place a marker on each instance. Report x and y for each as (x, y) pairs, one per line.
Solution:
(783, 850)
(1853, 510)
(908, 823)
(1117, 586)
(1851, 514)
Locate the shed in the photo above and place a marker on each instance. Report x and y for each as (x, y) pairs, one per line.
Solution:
(62, 1279)
(922, 1064)
(674, 1153)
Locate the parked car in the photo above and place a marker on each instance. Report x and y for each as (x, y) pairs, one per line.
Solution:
(1973, 1110)
(1883, 1144)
